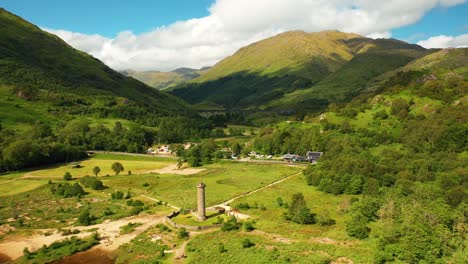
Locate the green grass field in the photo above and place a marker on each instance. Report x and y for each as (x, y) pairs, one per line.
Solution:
(135, 167)
(269, 249)
(19, 186)
(223, 181)
(271, 220)
(285, 241)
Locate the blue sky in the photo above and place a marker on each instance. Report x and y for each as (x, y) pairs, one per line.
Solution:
(164, 35)
(106, 17)
(438, 21)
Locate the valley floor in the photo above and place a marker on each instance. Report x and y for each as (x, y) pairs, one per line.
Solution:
(42, 218)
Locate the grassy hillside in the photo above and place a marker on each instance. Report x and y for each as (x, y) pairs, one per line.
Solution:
(367, 67)
(42, 77)
(298, 70)
(163, 80)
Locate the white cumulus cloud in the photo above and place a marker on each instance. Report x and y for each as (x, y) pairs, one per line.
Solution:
(444, 41)
(232, 24)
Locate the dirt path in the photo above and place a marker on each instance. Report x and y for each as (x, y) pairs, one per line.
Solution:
(226, 204)
(156, 200)
(109, 231)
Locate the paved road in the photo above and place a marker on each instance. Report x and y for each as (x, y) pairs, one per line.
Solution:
(173, 157)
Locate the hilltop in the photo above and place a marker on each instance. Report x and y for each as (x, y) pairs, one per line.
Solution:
(298, 70)
(163, 80)
(43, 78)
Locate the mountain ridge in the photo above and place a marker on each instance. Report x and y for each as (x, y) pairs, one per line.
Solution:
(163, 80)
(269, 73)
(39, 67)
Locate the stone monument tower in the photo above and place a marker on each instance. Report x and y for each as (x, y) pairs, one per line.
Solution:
(201, 201)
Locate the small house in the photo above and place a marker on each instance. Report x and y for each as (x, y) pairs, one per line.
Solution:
(313, 156)
(288, 157)
(163, 149)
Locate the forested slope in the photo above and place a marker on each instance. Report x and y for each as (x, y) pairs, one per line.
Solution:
(403, 146)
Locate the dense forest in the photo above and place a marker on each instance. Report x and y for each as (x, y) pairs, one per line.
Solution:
(42, 144)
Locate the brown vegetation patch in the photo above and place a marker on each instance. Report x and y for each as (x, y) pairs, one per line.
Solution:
(4, 258)
(329, 241)
(90, 256)
(342, 260)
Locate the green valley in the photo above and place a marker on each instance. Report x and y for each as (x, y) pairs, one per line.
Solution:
(324, 147)
(165, 80)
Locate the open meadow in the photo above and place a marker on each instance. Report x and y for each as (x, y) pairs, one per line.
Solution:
(28, 202)
(136, 165)
(278, 240)
(223, 181)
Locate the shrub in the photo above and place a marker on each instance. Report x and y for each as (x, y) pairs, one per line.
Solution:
(67, 190)
(135, 203)
(67, 176)
(244, 206)
(26, 253)
(117, 195)
(108, 212)
(324, 220)
(163, 228)
(183, 233)
(85, 217)
(230, 224)
(219, 220)
(61, 249)
(357, 227)
(136, 210)
(92, 182)
(248, 226)
(221, 248)
(246, 243)
(279, 201)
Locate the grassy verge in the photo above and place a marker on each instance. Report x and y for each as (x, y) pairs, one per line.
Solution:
(189, 219)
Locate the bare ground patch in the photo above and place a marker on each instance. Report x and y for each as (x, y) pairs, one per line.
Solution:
(172, 169)
(12, 247)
